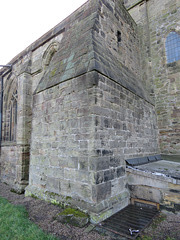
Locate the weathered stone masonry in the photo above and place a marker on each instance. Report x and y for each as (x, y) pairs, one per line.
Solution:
(82, 109)
(156, 20)
(16, 125)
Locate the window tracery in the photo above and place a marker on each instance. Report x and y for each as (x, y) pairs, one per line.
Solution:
(10, 114)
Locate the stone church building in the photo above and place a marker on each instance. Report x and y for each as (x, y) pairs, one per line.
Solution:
(100, 88)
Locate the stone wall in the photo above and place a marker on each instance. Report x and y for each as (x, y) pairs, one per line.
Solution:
(9, 160)
(120, 117)
(82, 110)
(162, 18)
(62, 138)
(15, 166)
(16, 124)
(166, 76)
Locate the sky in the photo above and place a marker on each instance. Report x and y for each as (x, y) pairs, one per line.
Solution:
(24, 21)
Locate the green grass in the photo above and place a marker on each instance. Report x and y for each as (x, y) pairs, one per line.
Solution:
(15, 225)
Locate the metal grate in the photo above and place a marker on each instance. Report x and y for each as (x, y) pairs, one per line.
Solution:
(130, 221)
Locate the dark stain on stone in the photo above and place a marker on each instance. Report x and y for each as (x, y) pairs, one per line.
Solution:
(106, 152)
(98, 151)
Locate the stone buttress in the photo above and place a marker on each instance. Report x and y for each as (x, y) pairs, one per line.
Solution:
(90, 111)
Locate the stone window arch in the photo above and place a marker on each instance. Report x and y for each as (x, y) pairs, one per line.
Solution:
(173, 47)
(10, 113)
(49, 53)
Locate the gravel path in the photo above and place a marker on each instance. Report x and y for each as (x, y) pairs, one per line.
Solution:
(42, 213)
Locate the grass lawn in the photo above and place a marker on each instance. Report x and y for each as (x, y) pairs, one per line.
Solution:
(15, 225)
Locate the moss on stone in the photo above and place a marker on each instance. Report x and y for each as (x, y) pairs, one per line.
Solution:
(73, 217)
(68, 198)
(52, 194)
(34, 196)
(74, 212)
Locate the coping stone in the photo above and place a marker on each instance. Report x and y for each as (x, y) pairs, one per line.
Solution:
(158, 157)
(152, 158)
(137, 161)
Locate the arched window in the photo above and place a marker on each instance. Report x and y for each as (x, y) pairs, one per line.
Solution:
(173, 47)
(13, 117)
(10, 111)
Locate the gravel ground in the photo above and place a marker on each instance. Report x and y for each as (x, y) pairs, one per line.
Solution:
(42, 213)
(164, 227)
